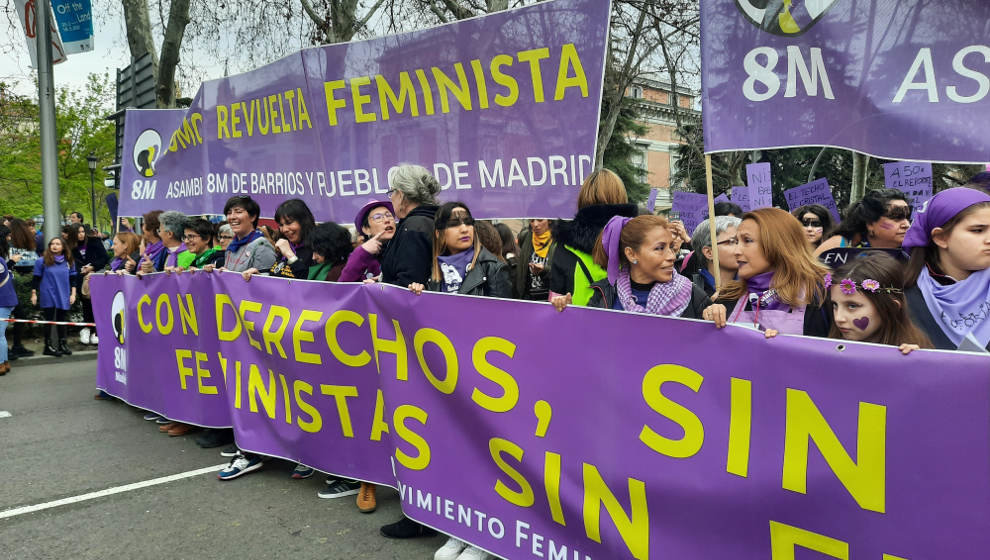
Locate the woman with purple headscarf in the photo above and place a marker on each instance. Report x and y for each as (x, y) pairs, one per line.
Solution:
(948, 277)
(638, 256)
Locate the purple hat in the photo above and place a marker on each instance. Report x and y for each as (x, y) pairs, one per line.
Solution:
(363, 212)
(610, 242)
(937, 211)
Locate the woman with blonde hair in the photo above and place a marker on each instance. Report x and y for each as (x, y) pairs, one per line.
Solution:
(780, 285)
(572, 268)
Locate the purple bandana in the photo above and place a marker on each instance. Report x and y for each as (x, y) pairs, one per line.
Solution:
(152, 251)
(666, 298)
(116, 264)
(610, 240)
(961, 309)
(937, 211)
(762, 295)
(173, 256)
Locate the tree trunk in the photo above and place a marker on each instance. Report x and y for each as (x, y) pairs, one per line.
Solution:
(497, 5)
(614, 94)
(858, 187)
(140, 40)
(178, 19)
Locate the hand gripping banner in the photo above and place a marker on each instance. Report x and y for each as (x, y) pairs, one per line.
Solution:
(574, 435)
(898, 80)
(503, 109)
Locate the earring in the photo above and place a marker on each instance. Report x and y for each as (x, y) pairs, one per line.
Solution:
(635, 261)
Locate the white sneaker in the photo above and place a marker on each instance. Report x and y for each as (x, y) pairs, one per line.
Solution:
(472, 553)
(451, 550)
(94, 340)
(84, 336)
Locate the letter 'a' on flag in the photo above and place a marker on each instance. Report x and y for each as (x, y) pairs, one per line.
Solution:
(888, 79)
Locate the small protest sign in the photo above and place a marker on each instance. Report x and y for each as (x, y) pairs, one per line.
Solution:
(651, 203)
(760, 186)
(740, 196)
(722, 198)
(690, 208)
(912, 178)
(815, 192)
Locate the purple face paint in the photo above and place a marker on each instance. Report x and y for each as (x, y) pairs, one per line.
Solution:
(861, 323)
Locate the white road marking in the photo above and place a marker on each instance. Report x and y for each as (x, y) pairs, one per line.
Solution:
(4, 414)
(108, 492)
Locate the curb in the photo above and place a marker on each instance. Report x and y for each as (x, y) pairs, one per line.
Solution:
(42, 360)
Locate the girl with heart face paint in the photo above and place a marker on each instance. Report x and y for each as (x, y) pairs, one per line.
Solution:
(867, 303)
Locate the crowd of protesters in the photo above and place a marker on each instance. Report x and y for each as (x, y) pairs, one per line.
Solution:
(921, 283)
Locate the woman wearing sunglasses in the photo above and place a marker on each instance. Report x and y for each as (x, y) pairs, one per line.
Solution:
(879, 221)
(816, 221)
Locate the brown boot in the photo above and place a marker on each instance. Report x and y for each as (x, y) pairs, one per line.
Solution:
(366, 502)
(4, 368)
(164, 428)
(180, 429)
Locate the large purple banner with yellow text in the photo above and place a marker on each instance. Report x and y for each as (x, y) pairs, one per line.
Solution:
(582, 434)
(895, 79)
(503, 109)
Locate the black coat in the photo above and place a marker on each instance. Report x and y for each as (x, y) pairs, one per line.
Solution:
(96, 255)
(581, 233)
(605, 294)
(409, 254)
(489, 277)
(521, 275)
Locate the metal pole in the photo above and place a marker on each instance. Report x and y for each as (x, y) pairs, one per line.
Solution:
(46, 106)
(92, 197)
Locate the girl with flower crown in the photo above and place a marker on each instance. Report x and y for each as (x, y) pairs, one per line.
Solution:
(867, 303)
(638, 256)
(780, 283)
(948, 277)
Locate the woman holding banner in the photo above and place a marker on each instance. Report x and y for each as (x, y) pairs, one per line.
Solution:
(948, 276)
(572, 270)
(780, 284)
(880, 221)
(413, 195)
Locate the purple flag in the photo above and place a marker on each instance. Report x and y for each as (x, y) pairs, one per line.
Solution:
(482, 103)
(605, 434)
(912, 178)
(879, 77)
(760, 185)
(815, 192)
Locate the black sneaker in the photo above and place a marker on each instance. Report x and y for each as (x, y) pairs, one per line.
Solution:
(406, 528)
(21, 352)
(340, 488)
(215, 438)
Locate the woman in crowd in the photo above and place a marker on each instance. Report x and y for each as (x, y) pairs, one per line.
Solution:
(24, 252)
(376, 222)
(461, 265)
(948, 276)
(153, 255)
(198, 237)
(126, 252)
(224, 235)
(510, 252)
(572, 270)
(406, 259)
(866, 298)
(532, 279)
(489, 238)
(780, 284)
(90, 256)
(879, 220)
(638, 256)
(331, 245)
(173, 228)
(8, 296)
(817, 222)
(54, 290)
(725, 241)
(294, 255)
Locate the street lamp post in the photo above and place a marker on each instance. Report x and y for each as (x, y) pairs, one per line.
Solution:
(92, 186)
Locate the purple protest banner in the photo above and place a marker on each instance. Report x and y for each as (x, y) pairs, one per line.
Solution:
(912, 178)
(760, 185)
(815, 192)
(531, 438)
(878, 77)
(651, 203)
(690, 208)
(722, 198)
(740, 196)
(483, 103)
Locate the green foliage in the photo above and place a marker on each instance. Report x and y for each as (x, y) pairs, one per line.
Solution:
(80, 130)
(619, 152)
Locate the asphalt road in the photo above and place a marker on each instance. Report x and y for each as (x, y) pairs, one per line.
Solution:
(59, 444)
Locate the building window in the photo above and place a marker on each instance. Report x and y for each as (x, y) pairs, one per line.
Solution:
(637, 92)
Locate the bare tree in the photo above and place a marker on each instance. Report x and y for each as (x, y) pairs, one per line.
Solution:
(141, 40)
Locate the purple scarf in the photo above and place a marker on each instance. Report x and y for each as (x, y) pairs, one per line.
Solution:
(762, 295)
(610, 242)
(59, 259)
(173, 256)
(666, 298)
(152, 251)
(116, 264)
(961, 309)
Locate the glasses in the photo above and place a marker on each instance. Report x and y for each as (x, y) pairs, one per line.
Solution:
(390, 192)
(730, 242)
(811, 223)
(225, 236)
(191, 237)
(381, 217)
(898, 213)
(458, 222)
